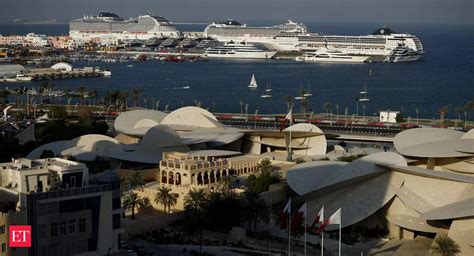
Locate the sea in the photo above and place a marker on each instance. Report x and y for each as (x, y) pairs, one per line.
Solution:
(445, 77)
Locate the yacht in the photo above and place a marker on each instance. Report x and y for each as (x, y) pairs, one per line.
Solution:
(325, 55)
(23, 78)
(241, 50)
(402, 53)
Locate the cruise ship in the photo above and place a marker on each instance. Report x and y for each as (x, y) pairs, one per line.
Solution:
(110, 25)
(240, 50)
(292, 36)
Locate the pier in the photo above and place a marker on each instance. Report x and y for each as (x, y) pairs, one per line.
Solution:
(52, 74)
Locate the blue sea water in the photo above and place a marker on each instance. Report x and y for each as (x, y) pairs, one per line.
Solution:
(444, 77)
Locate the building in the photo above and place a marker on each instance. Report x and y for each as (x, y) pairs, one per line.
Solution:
(426, 189)
(389, 116)
(68, 214)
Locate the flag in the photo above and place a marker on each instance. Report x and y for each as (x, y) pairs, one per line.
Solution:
(318, 219)
(334, 219)
(284, 215)
(298, 217)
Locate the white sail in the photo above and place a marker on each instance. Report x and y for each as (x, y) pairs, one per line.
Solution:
(253, 82)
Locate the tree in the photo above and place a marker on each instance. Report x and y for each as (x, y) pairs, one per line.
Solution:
(265, 178)
(82, 93)
(256, 210)
(58, 112)
(469, 106)
(195, 200)
(135, 180)
(327, 107)
(136, 96)
(166, 198)
(132, 201)
(442, 113)
(446, 246)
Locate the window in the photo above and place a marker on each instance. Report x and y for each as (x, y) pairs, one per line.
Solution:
(73, 182)
(82, 225)
(4, 247)
(72, 226)
(2, 229)
(62, 228)
(54, 229)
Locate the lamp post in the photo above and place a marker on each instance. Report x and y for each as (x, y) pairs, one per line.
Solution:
(246, 112)
(255, 118)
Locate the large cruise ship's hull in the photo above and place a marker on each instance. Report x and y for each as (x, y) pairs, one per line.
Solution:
(349, 60)
(242, 55)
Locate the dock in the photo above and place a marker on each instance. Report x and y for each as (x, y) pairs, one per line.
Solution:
(52, 74)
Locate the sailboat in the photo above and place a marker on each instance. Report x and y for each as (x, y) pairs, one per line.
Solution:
(253, 82)
(269, 88)
(308, 94)
(363, 94)
(268, 92)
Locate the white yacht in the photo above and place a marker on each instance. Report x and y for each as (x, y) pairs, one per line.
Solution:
(23, 78)
(325, 55)
(402, 53)
(241, 50)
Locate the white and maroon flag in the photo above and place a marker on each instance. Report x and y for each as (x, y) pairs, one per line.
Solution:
(298, 217)
(285, 215)
(318, 219)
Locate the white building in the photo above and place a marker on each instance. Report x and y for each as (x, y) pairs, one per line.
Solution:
(389, 116)
(67, 214)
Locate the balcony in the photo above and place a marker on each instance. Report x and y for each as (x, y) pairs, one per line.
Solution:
(71, 192)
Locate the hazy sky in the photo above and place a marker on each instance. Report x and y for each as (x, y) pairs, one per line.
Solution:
(378, 11)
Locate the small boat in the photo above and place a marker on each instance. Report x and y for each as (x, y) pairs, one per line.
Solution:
(181, 87)
(363, 94)
(130, 66)
(269, 88)
(106, 73)
(186, 87)
(299, 97)
(266, 96)
(253, 82)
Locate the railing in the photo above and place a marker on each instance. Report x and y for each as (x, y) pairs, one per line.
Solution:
(72, 192)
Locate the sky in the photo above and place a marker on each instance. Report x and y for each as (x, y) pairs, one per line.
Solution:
(358, 11)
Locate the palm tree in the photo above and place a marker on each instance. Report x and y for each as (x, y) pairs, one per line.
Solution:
(469, 106)
(265, 165)
(256, 209)
(289, 102)
(132, 201)
(135, 180)
(195, 200)
(82, 92)
(443, 112)
(166, 198)
(93, 94)
(4, 95)
(446, 246)
(136, 96)
(327, 107)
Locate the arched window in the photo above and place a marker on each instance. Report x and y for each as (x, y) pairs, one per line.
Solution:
(171, 178)
(178, 178)
(164, 177)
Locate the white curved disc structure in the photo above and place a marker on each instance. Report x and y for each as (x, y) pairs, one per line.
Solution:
(88, 147)
(56, 147)
(191, 117)
(138, 122)
(312, 145)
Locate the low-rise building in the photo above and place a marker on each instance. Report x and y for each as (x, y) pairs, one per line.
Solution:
(68, 215)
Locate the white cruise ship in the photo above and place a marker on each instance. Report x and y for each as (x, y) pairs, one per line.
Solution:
(325, 55)
(110, 25)
(241, 50)
(293, 36)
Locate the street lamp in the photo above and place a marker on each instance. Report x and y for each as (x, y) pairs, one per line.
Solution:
(255, 118)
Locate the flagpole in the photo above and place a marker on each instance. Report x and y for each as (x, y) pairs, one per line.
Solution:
(322, 232)
(289, 229)
(305, 229)
(340, 224)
